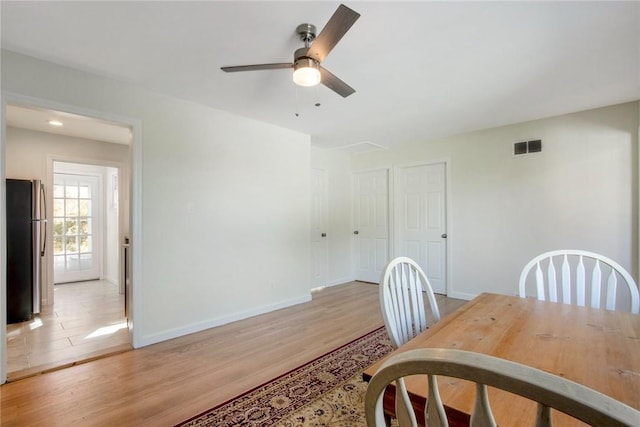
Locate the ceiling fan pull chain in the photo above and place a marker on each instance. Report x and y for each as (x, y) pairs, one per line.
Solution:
(297, 115)
(317, 104)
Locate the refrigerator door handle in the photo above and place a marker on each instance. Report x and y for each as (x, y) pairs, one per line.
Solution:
(44, 219)
(36, 226)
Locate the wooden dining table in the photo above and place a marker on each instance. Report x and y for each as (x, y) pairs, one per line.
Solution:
(594, 347)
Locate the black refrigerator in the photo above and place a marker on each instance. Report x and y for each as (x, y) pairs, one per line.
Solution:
(26, 242)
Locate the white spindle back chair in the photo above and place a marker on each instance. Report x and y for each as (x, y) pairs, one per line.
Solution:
(548, 390)
(576, 276)
(402, 286)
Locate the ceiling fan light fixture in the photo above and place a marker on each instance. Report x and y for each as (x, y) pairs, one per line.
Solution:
(306, 72)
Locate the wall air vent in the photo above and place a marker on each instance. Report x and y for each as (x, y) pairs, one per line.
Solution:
(525, 147)
(534, 146)
(520, 148)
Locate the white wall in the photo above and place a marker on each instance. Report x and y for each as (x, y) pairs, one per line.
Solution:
(28, 152)
(580, 192)
(337, 165)
(224, 202)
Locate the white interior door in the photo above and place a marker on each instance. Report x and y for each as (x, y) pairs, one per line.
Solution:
(421, 220)
(319, 253)
(76, 228)
(371, 224)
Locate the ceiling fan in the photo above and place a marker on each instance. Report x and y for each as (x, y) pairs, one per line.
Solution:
(307, 70)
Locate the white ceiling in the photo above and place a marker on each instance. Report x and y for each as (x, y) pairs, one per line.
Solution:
(72, 124)
(421, 70)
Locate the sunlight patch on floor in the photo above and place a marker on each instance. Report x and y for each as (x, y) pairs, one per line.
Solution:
(36, 323)
(107, 330)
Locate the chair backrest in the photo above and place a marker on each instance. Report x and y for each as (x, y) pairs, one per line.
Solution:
(402, 286)
(548, 390)
(576, 277)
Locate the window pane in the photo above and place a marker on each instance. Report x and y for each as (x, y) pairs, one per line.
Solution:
(58, 207)
(86, 261)
(71, 191)
(58, 226)
(85, 207)
(72, 208)
(72, 226)
(85, 192)
(71, 244)
(85, 226)
(85, 244)
(58, 263)
(58, 247)
(73, 263)
(58, 190)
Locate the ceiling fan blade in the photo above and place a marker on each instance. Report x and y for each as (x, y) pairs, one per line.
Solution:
(334, 83)
(339, 23)
(257, 67)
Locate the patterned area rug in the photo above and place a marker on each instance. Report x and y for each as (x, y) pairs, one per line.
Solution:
(327, 391)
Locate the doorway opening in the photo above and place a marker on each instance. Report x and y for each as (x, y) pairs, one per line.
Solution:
(84, 247)
(84, 296)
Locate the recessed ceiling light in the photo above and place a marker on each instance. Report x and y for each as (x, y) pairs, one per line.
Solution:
(55, 123)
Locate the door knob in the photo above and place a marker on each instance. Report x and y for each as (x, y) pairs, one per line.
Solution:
(356, 232)
(444, 236)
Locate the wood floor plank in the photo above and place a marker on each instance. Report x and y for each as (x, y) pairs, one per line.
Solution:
(166, 383)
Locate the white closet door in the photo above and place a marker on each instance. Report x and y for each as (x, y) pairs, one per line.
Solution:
(319, 254)
(421, 220)
(371, 224)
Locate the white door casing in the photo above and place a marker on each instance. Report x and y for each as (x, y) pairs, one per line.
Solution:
(319, 250)
(371, 224)
(420, 231)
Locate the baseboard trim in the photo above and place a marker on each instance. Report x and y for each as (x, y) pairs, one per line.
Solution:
(219, 321)
(340, 281)
(462, 295)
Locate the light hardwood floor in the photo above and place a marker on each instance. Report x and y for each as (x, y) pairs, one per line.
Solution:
(86, 321)
(169, 382)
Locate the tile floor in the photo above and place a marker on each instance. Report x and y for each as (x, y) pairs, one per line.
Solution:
(86, 321)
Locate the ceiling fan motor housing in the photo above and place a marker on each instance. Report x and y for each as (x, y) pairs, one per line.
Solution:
(300, 56)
